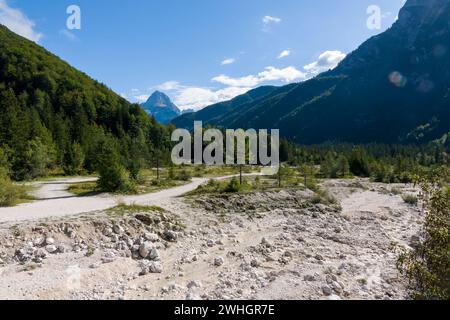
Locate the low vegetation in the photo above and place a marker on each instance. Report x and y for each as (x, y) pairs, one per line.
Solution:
(10, 192)
(427, 266)
(410, 199)
(83, 189)
(123, 209)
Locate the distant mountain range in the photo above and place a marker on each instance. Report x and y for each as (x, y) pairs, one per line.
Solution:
(161, 107)
(395, 88)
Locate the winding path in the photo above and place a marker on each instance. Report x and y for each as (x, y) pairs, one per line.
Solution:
(55, 201)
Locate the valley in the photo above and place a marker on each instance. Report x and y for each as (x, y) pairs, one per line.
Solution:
(282, 246)
(133, 193)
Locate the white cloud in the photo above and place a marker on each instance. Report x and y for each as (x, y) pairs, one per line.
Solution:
(197, 98)
(288, 74)
(327, 60)
(17, 22)
(169, 85)
(270, 19)
(284, 53)
(228, 61)
(248, 81)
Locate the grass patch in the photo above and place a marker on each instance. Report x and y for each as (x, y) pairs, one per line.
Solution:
(84, 189)
(223, 187)
(149, 215)
(323, 197)
(124, 209)
(12, 194)
(410, 199)
(290, 181)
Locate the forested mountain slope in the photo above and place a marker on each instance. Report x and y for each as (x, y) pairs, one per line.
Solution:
(54, 115)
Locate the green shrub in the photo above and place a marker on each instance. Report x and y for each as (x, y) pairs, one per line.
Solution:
(322, 196)
(115, 179)
(233, 186)
(9, 192)
(410, 199)
(183, 176)
(428, 266)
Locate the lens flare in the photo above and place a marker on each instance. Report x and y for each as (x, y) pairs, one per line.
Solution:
(397, 79)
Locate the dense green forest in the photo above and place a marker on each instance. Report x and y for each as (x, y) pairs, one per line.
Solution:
(53, 116)
(382, 163)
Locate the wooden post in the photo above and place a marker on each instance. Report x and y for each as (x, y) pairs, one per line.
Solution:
(279, 177)
(240, 175)
(157, 168)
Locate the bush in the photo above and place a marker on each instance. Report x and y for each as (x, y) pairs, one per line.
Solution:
(115, 179)
(183, 176)
(9, 193)
(323, 197)
(233, 186)
(428, 266)
(113, 175)
(410, 199)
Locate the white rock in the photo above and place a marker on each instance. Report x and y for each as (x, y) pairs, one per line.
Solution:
(117, 229)
(154, 254)
(108, 257)
(51, 248)
(152, 237)
(107, 231)
(39, 241)
(150, 267)
(155, 267)
(145, 249)
(49, 241)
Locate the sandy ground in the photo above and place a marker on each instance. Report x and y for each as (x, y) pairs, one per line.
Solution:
(291, 252)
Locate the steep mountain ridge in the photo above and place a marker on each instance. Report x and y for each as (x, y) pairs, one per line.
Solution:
(395, 88)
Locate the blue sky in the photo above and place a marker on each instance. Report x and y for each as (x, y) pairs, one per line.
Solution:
(198, 51)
